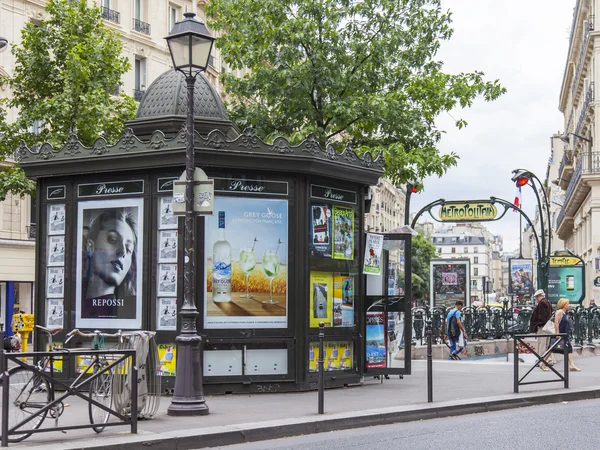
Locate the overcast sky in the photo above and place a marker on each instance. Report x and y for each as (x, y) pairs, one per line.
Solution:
(524, 44)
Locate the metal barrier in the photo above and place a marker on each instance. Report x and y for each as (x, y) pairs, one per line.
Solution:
(518, 338)
(81, 384)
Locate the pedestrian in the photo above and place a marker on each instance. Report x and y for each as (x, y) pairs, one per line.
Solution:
(562, 325)
(540, 316)
(454, 329)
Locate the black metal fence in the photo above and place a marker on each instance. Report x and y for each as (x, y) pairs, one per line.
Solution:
(60, 390)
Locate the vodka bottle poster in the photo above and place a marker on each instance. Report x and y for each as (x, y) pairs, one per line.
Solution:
(246, 263)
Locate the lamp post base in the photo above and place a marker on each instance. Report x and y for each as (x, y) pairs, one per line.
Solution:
(188, 398)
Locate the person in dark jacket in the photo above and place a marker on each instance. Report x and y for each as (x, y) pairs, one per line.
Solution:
(541, 314)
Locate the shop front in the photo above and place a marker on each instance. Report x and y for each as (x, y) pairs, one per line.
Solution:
(282, 252)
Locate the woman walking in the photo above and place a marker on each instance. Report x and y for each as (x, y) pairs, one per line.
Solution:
(562, 325)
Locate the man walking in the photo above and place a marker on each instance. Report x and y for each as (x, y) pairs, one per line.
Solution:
(541, 314)
(454, 328)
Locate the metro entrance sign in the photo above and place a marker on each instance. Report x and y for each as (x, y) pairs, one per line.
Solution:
(479, 210)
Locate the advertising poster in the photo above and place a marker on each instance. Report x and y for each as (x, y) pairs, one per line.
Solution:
(320, 230)
(167, 252)
(449, 282)
(167, 280)
(321, 299)
(56, 251)
(246, 251)
(373, 247)
(55, 282)
(343, 301)
(109, 249)
(343, 233)
(375, 340)
(565, 282)
(166, 219)
(54, 313)
(167, 314)
(167, 360)
(521, 276)
(56, 219)
(338, 356)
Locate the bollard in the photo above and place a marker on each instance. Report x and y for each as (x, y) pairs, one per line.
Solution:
(321, 368)
(429, 363)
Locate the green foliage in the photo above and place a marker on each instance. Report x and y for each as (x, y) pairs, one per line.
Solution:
(65, 70)
(358, 72)
(422, 252)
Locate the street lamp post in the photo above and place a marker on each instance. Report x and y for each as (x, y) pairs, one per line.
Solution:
(190, 44)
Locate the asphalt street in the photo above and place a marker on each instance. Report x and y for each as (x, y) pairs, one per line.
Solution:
(572, 425)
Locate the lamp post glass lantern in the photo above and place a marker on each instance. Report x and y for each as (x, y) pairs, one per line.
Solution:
(190, 44)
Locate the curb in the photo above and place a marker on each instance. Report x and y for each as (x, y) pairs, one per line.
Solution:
(259, 431)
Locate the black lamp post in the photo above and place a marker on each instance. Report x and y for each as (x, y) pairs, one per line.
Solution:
(565, 138)
(522, 177)
(190, 44)
(411, 188)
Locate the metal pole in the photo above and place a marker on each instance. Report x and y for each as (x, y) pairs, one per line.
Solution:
(321, 367)
(565, 359)
(516, 364)
(407, 205)
(134, 394)
(188, 398)
(5, 391)
(429, 363)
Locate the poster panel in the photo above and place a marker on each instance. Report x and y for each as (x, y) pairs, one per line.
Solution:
(338, 356)
(167, 251)
(109, 256)
(55, 282)
(167, 314)
(321, 299)
(166, 219)
(246, 261)
(343, 233)
(167, 360)
(320, 230)
(54, 313)
(343, 301)
(450, 281)
(375, 340)
(56, 251)
(566, 282)
(521, 276)
(167, 280)
(56, 219)
(373, 247)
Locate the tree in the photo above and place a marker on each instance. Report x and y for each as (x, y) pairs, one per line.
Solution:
(422, 252)
(351, 72)
(65, 71)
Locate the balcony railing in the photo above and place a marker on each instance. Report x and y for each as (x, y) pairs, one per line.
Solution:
(567, 160)
(111, 15)
(138, 94)
(31, 231)
(589, 26)
(589, 98)
(141, 27)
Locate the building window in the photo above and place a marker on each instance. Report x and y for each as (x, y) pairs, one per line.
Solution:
(453, 250)
(466, 250)
(173, 15)
(476, 260)
(440, 250)
(475, 249)
(474, 284)
(475, 271)
(140, 78)
(138, 9)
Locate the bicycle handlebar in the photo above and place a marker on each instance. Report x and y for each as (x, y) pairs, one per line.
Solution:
(96, 333)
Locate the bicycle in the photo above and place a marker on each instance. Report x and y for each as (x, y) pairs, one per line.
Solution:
(31, 393)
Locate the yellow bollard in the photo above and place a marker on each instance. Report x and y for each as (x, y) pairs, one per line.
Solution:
(23, 324)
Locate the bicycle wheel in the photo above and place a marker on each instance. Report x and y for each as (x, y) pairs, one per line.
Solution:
(28, 394)
(100, 391)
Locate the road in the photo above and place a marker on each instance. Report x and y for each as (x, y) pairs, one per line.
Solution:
(571, 425)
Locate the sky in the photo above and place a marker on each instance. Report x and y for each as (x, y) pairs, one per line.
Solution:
(524, 44)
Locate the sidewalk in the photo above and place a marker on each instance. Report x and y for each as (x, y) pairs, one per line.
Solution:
(460, 387)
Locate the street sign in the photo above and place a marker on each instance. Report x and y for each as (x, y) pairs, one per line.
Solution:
(477, 210)
(204, 195)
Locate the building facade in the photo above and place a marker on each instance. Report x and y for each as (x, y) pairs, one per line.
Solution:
(578, 221)
(387, 207)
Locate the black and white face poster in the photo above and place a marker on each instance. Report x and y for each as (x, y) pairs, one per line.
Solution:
(109, 249)
(56, 251)
(56, 219)
(55, 282)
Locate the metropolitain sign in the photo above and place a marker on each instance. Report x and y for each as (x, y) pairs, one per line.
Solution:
(468, 211)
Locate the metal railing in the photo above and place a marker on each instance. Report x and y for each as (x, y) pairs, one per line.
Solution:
(567, 159)
(31, 231)
(518, 341)
(80, 388)
(589, 98)
(501, 323)
(584, 43)
(141, 27)
(111, 15)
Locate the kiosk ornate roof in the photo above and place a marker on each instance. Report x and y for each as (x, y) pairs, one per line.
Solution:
(213, 150)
